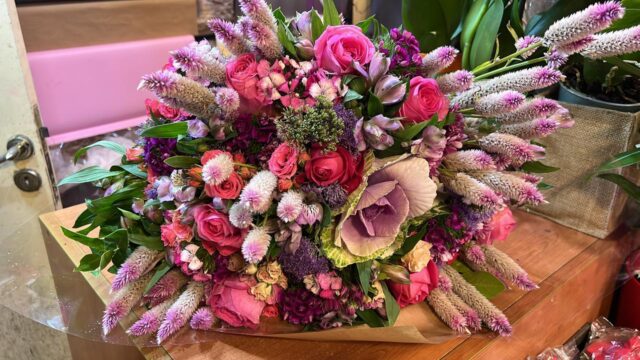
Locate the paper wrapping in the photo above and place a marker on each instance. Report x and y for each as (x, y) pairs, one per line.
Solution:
(66, 25)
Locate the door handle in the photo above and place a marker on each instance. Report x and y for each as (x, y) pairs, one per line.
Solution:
(19, 147)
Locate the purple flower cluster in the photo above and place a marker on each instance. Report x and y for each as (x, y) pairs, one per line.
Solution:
(407, 49)
(447, 236)
(348, 139)
(252, 136)
(156, 151)
(300, 306)
(304, 261)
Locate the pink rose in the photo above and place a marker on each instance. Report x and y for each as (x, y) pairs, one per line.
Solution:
(284, 161)
(425, 100)
(326, 168)
(498, 228)
(228, 190)
(421, 285)
(175, 233)
(231, 302)
(242, 76)
(216, 232)
(339, 46)
(134, 154)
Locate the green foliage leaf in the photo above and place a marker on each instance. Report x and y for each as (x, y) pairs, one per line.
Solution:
(103, 143)
(391, 306)
(93, 243)
(279, 15)
(89, 262)
(129, 214)
(411, 241)
(148, 241)
(484, 282)
(366, 23)
(624, 159)
(544, 186)
(427, 22)
(485, 37)
(411, 131)
(90, 174)
(181, 162)
(625, 184)
(285, 40)
(317, 26)
(364, 275)
(351, 95)
(538, 168)
(85, 218)
(371, 318)
(330, 14)
(516, 18)
(105, 258)
(374, 106)
(170, 130)
(469, 27)
(132, 169)
(161, 270)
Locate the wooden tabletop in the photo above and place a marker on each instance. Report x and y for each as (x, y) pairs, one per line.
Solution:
(576, 274)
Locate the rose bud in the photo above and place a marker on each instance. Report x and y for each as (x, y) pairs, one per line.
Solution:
(390, 90)
(304, 49)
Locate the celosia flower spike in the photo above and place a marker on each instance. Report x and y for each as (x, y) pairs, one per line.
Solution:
(255, 245)
(200, 61)
(526, 41)
(263, 37)
(231, 37)
(614, 43)
(530, 110)
(470, 315)
(439, 59)
(150, 321)
(489, 314)
(473, 191)
(510, 186)
(258, 193)
(290, 206)
(530, 130)
(500, 103)
(123, 301)
(203, 319)
(180, 312)
(447, 311)
(513, 149)
(137, 264)
(474, 253)
(455, 82)
(466, 160)
(575, 46)
(260, 12)
(591, 20)
(502, 264)
(168, 285)
(555, 59)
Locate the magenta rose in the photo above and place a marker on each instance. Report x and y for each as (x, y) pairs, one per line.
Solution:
(424, 100)
(231, 302)
(421, 285)
(284, 161)
(499, 227)
(339, 46)
(216, 232)
(242, 76)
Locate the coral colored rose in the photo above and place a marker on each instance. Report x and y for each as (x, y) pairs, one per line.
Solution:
(326, 168)
(158, 109)
(284, 161)
(134, 154)
(175, 233)
(216, 232)
(228, 190)
(242, 76)
(424, 100)
(231, 302)
(339, 46)
(421, 285)
(270, 311)
(498, 229)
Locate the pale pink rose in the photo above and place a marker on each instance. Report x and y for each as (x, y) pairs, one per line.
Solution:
(216, 232)
(421, 285)
(498, 228)
(339, 46)
(284, 161)
(424, 100)
(232, 302)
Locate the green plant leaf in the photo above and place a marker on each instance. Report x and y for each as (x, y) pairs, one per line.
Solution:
(365, 24)
(411, 241)
(351, 95)
(411, 131)
(538, 168)
(148, 241)
(625, 184)
(486, 34)
(317, 26)
(516, 18)
(544, 186)
(129, 214)
(132, 169)
(469, 27)
(283, 37)
(170, 130)
(90, 174)
(161, 270)
(89, 262)
(181, 162)
(390, 305)
(426, 20)
(374, 106)
(364, 275)
(96, 244)
(371, 318)
(279, 15)
(484, 282)
(102, 143)
(330, 14)
(624, 159)
(85, 218)
(105, 258)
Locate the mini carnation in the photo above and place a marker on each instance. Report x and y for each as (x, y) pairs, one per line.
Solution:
(150, 321)
(168, 285)
(510, 186)
(258, 193)
(290, 206)
(228, 100)
(263, 37)
(123, 302)
(447, 311)
(455, 82)
(500, 103)
(200, 61)
(231, 37)
(240, 215)
(180, 311)
(466, 160)
(203, 319)
(575, 46)
(218, 169)
(513, 149)
(255, 245)
(530, 110)
(526, 41)
(614, 43)
(137, 264)
(473, 191)
(439, 59)
(589, 21)
(533, 129)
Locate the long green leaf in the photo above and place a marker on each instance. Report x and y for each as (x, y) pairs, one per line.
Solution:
(103, 143)
(516, 18)
(427, 21)
(538, 167)
(364, 275)
(624, 159)
(391, 306)
(170, 130)
(151, 242)
(317, 27)
(330, 14)
(94, 243)
(469, 27)
(132, 169)
(105, 258)
(484, 282)
(412, 131)
(89, 262)
(625, 184)
(485, 37)
(90, 174)
(181, 162)
(285, 41)
(161, 269)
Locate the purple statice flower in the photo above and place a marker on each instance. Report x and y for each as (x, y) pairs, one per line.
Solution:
(447, 236)
(156, 151)
(304, 261)
(348, 138)
(406, 49)
(472, 216)
(300, 306)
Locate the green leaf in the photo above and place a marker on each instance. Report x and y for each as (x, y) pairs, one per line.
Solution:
(170, 130)
(411, 241)
(317, 27)
(279, 15)
(538, 168)
(85, 218)
(485, 37)
(412, 131)
(516, 18)
(181, 162)
(129, 214)
(90, 174)
(390, 305)
(351, 95)
(484, 282)
(469, 27)
(161, 270)
(374, 106)
(371, 318)
(148, 241)
(105, 259)
(364, 275)
(365, 24)
(284, 39)
(89, 262)
(102, 143)
(427, 22)
(93, 243)
(544, 186)
(132, 169)
(625, 184)
(330, 14)
(326, 216)
(624, 159)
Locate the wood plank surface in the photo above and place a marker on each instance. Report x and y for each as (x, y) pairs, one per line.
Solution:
(576, 273)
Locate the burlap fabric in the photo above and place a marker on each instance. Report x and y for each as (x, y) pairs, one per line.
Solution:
(592, 206)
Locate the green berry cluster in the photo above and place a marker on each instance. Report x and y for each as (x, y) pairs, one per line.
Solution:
(309, 125)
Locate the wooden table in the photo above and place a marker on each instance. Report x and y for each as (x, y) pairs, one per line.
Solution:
(576, 274)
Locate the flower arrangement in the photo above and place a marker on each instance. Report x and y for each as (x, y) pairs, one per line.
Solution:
(308, 172)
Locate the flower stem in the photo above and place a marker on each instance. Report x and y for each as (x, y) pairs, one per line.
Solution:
(245, 165)
(484, 67)
(509, 68)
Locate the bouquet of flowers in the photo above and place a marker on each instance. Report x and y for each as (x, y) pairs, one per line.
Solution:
(306, 171)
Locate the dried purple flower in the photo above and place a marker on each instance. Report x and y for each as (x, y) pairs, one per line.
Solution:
(306, 260)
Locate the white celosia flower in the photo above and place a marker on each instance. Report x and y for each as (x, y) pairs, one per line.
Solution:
(614, 43)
